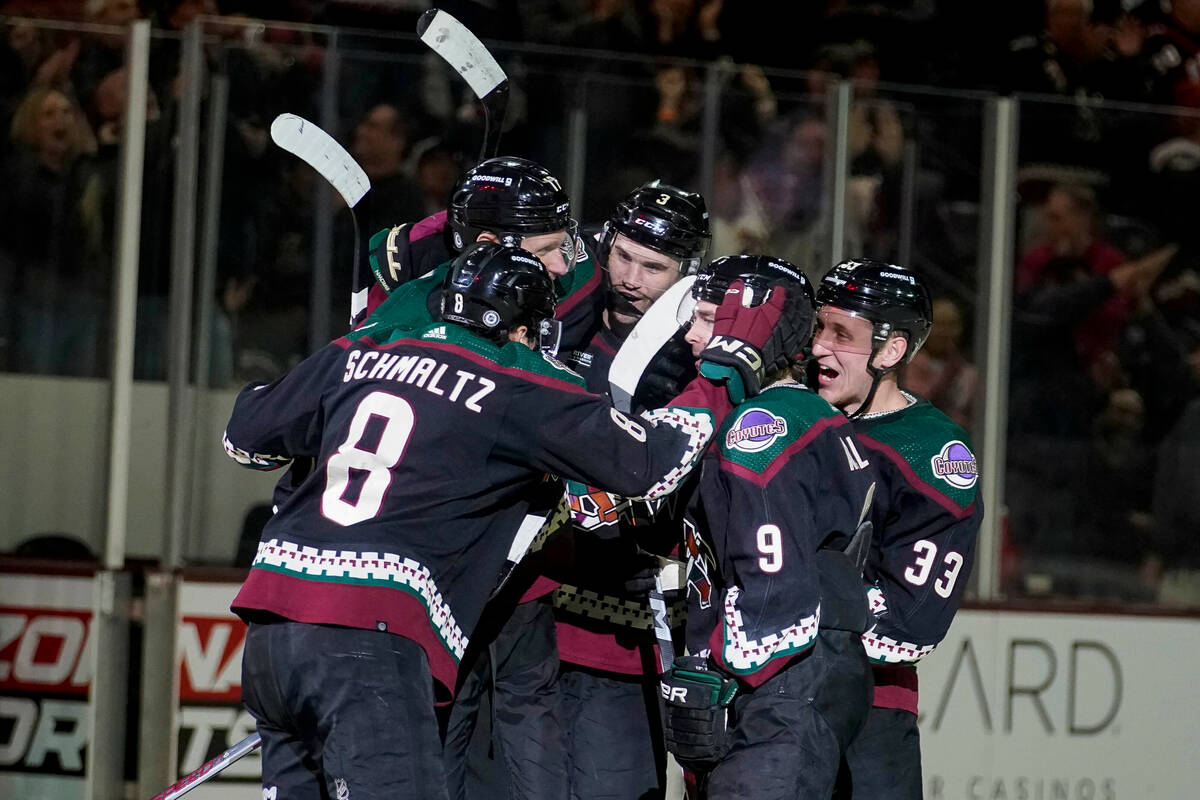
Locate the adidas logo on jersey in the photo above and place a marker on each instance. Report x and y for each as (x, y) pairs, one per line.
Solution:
(435, 333)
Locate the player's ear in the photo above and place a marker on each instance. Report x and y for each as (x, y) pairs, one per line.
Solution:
(487, 236)
(892, 352)
(520, 335)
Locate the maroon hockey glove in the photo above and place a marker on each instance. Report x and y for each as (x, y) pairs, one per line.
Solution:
(749, 339)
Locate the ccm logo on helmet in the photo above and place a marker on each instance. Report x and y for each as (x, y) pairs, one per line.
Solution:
(654, 225)
(898, 277)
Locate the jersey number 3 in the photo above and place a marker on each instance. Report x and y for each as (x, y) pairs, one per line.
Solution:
(398, 419)
(918, 573)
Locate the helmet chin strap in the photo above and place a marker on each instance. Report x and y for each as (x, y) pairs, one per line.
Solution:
(876, 376)
(878, 338)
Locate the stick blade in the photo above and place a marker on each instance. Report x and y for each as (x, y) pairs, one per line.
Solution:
(321, 151)
(653, 330)
(462, 50)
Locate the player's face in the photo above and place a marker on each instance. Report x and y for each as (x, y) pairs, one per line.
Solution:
(551, 249)
(841, 346)
(639, 275)
(701, 331)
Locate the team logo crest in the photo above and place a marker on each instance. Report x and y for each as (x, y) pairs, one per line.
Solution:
(956, 465)
(491, 318)
(458, 241)
(755, 430)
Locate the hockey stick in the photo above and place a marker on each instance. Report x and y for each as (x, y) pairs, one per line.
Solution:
(662, 624)
(653, 330)
(463, 51)
(321, 151)
(210, 768)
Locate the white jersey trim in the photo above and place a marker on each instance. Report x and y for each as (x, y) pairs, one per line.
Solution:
(743, 654)
(699, 427)
(884, 650)
(369, 568)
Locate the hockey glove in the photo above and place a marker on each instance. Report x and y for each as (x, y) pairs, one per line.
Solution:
(840, 572)
(745, 344)
(696, 703)
(672, 367)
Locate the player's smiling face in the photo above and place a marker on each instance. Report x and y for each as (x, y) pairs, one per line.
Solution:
(841, 346)
(638, 275)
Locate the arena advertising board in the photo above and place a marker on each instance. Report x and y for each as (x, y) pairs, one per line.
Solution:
(211, 717)
(45, 671)
(1014, 706)
(1020, 706)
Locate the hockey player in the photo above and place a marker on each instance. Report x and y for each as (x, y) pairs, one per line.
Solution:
(656, 235)
(872, 318)
(370, 577)
(608, 709)
(505, 199)
(771, 644)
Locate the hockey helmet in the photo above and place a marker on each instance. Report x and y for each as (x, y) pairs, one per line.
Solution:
(893, 298)
(512, 198)
(760, 274)
(492, 288)
(664, 218)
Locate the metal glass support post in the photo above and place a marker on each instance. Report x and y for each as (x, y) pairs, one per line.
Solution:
(836, 169)
(997, 228)
(214, 165)
(908, 203)
(108, 693)
(577, 122)
(715, 76)
(180, 398)
(320, 305)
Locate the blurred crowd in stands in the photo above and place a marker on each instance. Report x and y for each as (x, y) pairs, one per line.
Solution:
(1104, 381)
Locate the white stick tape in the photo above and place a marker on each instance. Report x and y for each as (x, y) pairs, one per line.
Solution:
(320, 151)
(462, 50)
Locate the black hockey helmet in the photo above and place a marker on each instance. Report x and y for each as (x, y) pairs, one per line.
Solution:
(892, 297)
(664, 218)
(509, 195)
(492, 288)
(761, 273)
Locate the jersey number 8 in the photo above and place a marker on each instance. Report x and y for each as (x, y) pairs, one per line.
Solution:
(398, 419)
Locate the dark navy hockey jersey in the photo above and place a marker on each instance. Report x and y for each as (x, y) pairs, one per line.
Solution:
(427, 443)
(778, 483)
(926, 516)
(602, 625)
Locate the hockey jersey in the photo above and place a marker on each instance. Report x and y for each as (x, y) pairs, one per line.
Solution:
(427, 442)
(412, 259)
(926, 516)
(778, 484)
(601, 623)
